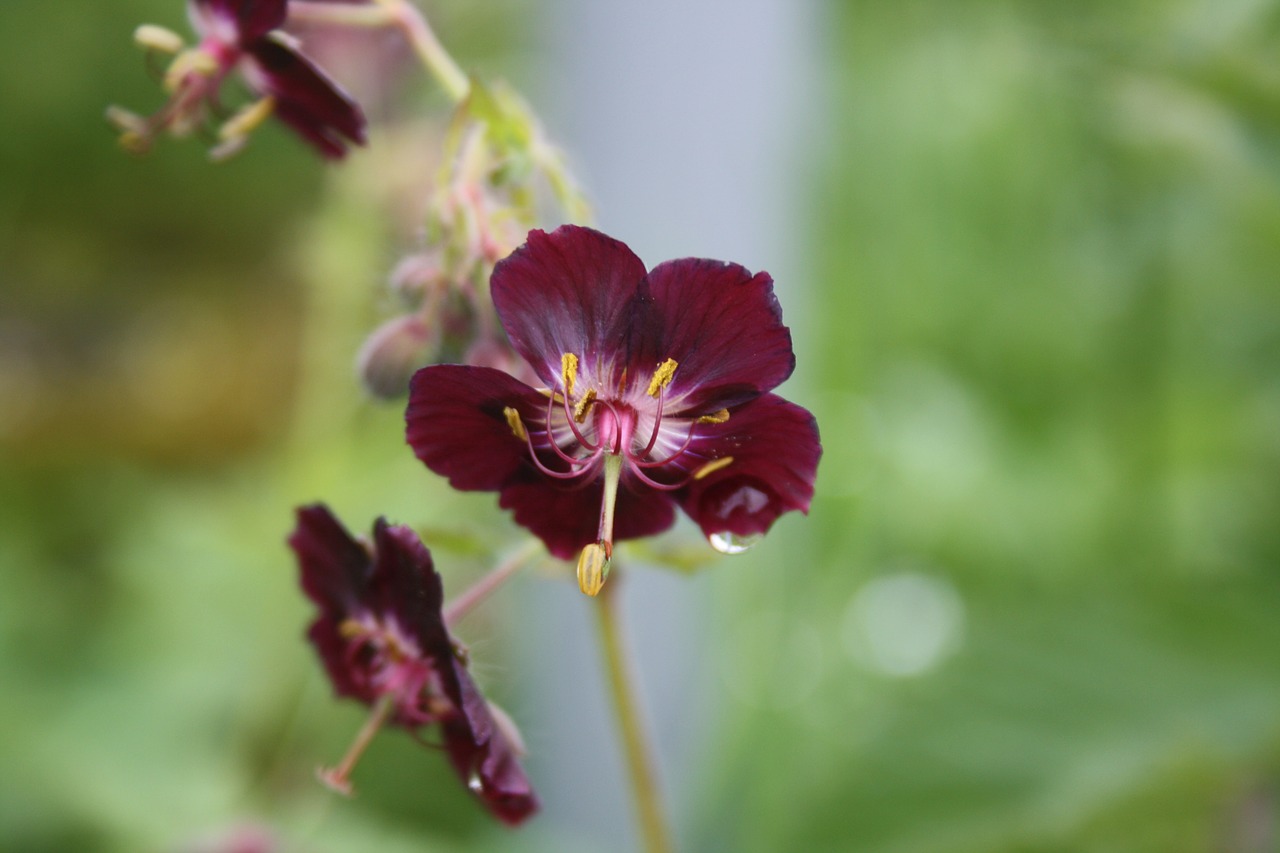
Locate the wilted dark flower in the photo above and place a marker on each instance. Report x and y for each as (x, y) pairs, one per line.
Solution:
(241, 34)
(383, 640)
(656, 395)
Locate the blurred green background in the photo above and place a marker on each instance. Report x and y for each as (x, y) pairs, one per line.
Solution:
(1034, 608)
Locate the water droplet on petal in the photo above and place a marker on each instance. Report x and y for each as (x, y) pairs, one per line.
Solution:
(474, 783)
(732, 543)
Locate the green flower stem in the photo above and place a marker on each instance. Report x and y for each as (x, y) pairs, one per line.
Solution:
(404, 15)
(483, 588)
(644, 781)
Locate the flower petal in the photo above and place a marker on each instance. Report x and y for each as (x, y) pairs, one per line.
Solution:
(334, 565)
(307, 99)
(348, 680)
(483, 756)
(457, 426)
(335, 568)
(723, 327)
(404, 582)
(569, 291)
(775, 450)
(253, 19)
(567, 518)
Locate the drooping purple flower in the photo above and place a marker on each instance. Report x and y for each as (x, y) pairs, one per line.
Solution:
(382, 638)
(242, 35)
(656, 395)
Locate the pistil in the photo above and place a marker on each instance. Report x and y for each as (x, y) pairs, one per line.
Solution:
(596, 558)
(339, 778)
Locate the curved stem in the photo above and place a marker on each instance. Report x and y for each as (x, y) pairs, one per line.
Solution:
(433, 55)
(401, 14)
(640, 761)
(487, 585)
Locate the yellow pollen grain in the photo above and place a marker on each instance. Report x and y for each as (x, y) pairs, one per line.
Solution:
(712, 466)
(569, 371)
(662, 376)
(517, 425)
(584, 405)
(715, 418)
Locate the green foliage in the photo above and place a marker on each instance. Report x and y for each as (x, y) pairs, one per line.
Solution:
(1033, 609)
(1045, 354)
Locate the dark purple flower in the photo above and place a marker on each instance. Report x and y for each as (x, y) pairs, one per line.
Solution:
(241, 34)
(656, 395)
(383, 640)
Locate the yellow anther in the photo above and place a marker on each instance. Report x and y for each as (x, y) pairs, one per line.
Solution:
(349, 629)
(662, 376)
(228, 148)
(712, 466)
(568, 371)
(153, 37)
(135, 143)
(192, 61)
(517, 425)
(715, 418)
(593, 568)
(580, 410)
(246, 120)
(126, 121)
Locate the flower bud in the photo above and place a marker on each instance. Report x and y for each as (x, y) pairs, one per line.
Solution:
(498, 354)
(392, 353)
(415, 275)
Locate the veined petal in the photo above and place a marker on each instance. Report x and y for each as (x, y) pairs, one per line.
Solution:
(569, 291)
(252, 19)
(567, 518)
(775, 450)
(457, 426)
(722, 325)
(306, 98)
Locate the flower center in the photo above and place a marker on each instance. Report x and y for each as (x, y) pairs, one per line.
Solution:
(594, 425)
(393, 665)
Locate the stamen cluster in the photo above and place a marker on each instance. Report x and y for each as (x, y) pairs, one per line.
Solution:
(241, 35)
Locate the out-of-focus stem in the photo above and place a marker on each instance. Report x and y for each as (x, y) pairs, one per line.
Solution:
(339, 14)
(639, 755)
(404, 15)
(339, 778)
(483, 588)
